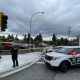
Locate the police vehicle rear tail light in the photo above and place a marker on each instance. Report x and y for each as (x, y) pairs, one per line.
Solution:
(74, 53)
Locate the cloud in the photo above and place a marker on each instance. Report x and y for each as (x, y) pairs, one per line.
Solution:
(59, 15)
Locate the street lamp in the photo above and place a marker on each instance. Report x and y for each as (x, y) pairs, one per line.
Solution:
(31, 23)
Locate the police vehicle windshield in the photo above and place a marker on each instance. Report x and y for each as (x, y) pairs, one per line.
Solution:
(64, 50)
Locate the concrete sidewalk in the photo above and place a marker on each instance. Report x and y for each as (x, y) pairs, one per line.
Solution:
(25, 60)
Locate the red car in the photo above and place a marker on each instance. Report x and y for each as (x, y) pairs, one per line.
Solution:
(6, 45)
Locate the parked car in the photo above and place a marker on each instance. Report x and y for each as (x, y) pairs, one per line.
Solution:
(6, 45)
(21, 46)
(9, 45)
(63, 58)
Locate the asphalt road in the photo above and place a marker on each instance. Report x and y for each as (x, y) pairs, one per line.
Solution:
(38, 71)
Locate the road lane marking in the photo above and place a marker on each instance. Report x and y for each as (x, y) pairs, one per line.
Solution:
(43, 55)
(40, 62)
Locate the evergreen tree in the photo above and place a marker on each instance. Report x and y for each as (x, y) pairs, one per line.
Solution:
(3, 38)
(54, 40)
(9, 38)
(16, 39)
(12, 36)
(38, 39)
(62, 41)
(66, 41)
(58, 42)
(25, 38)
(28, 39)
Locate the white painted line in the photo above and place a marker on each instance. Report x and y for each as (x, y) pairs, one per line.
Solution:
(40, 63)
(43, 55)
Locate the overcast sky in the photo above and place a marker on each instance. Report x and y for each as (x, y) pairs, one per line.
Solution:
(59, 15)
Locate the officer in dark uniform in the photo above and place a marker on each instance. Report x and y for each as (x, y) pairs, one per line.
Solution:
(14, 53)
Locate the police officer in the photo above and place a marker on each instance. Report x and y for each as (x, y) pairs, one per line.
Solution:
(14, 53)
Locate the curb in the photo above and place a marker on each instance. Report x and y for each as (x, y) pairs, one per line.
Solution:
(16, 69)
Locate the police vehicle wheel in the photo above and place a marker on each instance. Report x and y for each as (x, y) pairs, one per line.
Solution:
(64, 67)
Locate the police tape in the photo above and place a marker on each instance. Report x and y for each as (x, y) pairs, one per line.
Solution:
(27, 49)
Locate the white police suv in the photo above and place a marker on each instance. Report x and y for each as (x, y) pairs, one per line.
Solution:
(63, 58)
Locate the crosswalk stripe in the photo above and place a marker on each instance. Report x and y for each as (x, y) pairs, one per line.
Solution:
(40, 63)
(43, 55)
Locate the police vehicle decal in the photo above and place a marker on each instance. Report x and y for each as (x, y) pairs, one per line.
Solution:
(75, 60)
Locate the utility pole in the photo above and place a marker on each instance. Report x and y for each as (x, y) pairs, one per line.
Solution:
(69, 31)
(78, 39)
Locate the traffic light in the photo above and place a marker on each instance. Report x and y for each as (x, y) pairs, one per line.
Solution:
(3, 21)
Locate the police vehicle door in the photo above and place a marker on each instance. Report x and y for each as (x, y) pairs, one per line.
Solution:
(78, 56)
